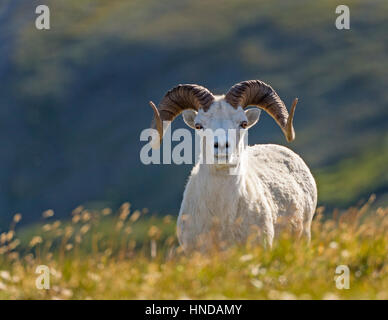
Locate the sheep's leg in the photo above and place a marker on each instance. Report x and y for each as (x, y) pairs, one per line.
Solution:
(268, 236)
(307, 230)
(301, 230)
(261, 230)
(268, 231)
(297, 229)
(266, 225)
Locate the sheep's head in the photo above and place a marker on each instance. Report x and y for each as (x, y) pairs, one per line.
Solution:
(205, 112)
(222, 128)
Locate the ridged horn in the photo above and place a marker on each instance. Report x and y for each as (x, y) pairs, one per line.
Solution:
(259, 94)
(182, 97)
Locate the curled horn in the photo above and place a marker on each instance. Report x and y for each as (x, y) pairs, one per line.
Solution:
(262, 95)
(183, 96)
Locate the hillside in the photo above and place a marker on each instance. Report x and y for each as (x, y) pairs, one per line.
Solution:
(75, 99)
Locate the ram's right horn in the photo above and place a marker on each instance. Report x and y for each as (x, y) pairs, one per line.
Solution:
(182, 97)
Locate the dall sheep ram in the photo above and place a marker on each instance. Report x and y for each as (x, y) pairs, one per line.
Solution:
(271, 187)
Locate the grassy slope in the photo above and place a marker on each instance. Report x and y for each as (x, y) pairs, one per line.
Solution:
(292, 270)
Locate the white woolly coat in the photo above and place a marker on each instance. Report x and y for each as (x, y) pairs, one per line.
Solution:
(273, 188)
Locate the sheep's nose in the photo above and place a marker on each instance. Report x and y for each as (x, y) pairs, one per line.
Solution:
(216, 145)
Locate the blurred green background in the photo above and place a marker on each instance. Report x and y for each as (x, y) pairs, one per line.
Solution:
(74, 99)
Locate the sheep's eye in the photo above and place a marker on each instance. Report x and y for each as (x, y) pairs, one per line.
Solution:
(198, 126)
(244, 124)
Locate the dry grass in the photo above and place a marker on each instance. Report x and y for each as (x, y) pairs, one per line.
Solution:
(96, 256)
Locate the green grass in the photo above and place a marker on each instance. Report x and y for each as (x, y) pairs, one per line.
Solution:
(104, 260)
(355, 177)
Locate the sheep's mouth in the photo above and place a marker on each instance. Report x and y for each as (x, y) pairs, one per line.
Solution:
(222, 156)
(225, 158)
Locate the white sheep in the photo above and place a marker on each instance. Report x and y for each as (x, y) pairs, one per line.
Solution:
(270, 187)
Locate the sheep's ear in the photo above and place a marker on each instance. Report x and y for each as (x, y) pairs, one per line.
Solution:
(189, 117)
(253, 116)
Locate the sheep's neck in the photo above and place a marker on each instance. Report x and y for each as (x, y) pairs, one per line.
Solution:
(220, 185)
